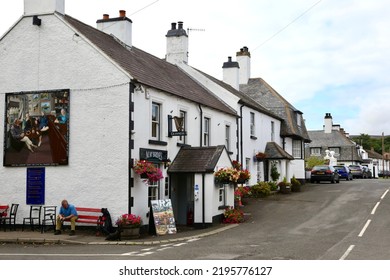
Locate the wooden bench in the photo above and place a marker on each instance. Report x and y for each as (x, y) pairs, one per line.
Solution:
(89, 216)
(3, 215)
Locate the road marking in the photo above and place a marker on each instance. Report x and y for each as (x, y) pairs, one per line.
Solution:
(364, 228)
(180, 244)
(349, 250)
(148, 249)
(60, 255)
(165, 248)
(145, 254)
(383, 196)
(130, 253)
(194, 239)
(374, 210)
(166, 245)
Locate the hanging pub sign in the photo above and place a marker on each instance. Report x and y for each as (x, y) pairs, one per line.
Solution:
(36, 128)
(151, 155)
(179, 124)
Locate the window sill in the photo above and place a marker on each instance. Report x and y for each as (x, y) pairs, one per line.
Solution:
(253, 137)
(230, 153)
(158, 143)
(223, 207)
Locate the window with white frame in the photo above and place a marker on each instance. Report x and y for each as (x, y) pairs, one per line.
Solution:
(156, 118)
(315, 151)
(153, 191)
(247, 163)
(206, 132)
(183, 114)
(221, 194)
(227, 137)
(252, 123)
(297, 149)
(272, 131)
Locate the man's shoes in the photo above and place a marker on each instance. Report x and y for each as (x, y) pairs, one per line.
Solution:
(72, 232)
(57, 232)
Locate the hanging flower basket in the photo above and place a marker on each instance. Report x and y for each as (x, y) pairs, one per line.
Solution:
(260, 156)
(148, 170)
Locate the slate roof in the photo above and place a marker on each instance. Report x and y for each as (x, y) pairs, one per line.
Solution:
(264, 94)
(273, 152)
(196, 159)
(372, 154)
(335, 139)
(244, 98)
(148, 69)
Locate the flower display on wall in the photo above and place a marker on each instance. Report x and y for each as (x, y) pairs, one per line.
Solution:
(148, 171)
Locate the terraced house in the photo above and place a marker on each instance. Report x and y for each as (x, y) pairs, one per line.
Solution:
(108, 105)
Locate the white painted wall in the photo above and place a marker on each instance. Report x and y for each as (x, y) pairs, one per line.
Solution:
(35, 7)
(51, 57)
(171, 105)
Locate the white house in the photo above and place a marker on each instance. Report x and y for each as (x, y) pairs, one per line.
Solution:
(119, 105)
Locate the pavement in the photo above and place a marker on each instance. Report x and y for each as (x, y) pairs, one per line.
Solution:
(86, 236)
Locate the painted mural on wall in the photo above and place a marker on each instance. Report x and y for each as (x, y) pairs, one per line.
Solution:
(36, 128)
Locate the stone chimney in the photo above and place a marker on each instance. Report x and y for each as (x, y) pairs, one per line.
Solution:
(231, 73)
(244, 60)
(177, 44)
(328, 123)
(120, 27)
(41, 7)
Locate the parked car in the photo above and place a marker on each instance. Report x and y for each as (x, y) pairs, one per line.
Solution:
(357, 171)
(344, 172)
(367, 171)
(324, 173)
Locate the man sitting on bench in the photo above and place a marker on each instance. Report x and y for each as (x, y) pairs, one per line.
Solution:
(67, 212)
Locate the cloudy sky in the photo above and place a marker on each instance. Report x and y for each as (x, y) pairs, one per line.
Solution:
(321, 55)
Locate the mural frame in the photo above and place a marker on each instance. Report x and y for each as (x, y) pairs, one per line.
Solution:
(36, 128)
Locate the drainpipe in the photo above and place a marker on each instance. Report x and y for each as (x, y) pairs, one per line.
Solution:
(203, 201)
(130, 200)
(241, 152)
(201, 125)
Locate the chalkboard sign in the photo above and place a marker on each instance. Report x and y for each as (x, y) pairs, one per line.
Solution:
(164, 219)
(35, 187)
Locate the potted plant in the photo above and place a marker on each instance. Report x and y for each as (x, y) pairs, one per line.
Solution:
(148, 170)
(295, 185)
(233, 216)
(226, 175)
(284, 186)
(244, 175)
(129, 225)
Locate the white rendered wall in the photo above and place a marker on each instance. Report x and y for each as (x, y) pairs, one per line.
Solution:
(171, 105)
(52, 57)
(39, 7)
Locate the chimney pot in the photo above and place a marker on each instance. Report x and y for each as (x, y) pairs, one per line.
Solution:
(180, 23)
(122, 13)
(229, 59)
(106, 16)
(173, 26)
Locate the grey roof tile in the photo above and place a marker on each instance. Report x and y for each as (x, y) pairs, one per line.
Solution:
(150, 70)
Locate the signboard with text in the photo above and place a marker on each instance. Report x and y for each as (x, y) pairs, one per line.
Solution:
(35, 186)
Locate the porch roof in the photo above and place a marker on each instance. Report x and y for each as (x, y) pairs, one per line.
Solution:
(274, 151)
(196, 159)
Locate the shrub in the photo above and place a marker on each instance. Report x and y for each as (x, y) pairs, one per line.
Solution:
(233, 216)
(261, 189)
(273, 186)
(295, 182)
(274, 172)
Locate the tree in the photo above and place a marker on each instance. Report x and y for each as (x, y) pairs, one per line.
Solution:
(313, 161)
